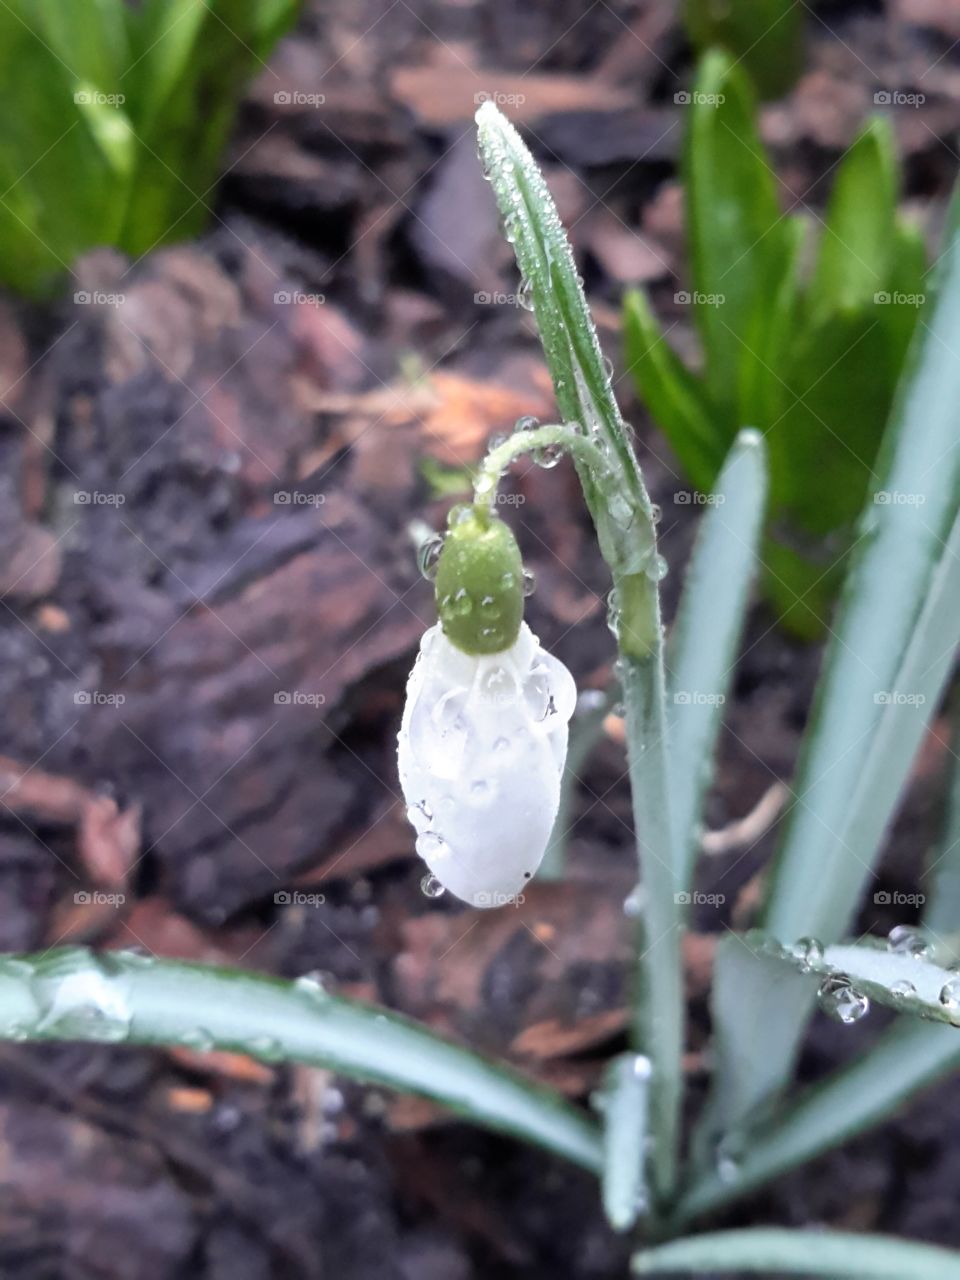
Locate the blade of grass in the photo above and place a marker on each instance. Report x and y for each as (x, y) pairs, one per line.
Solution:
(770, 1251)
(829, 843)
(907, 1058)
(120, 997)
(942, 875)
(627, 536)
(701, 654)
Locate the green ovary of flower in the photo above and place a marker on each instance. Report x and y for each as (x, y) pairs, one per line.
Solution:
(479, 582)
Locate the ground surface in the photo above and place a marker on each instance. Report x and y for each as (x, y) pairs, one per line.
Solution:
(351, 312)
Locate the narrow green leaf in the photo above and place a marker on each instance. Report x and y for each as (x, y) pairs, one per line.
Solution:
(908, 1057)
(740, 246)
(627, 535)
(867, 717)
(857, 238)
(701, 655)
(121, 997)
(772, 1251)
(908, 983)
(625, 1102)
(941, 879)
(675, 398)
(765, 35)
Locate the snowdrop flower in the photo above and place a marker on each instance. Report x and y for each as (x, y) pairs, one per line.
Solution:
(484, 732)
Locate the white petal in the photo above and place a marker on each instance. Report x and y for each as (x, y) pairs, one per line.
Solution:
(480, 753)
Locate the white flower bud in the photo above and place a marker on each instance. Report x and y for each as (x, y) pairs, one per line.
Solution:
(481, 752)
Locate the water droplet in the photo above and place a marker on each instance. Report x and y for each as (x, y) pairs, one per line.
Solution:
(537, 694)
(460, 513)
(431, 887)
(490, 607)
(508, 581)
(809, 951)
(903, 940)
(480, 787)
(312, 986)
(432, 845)
(78, 996)
(547, 455)
(903, 990)
(641, 1067)
(608, 366)
(529, 583)
(499, 684)
(428, 556)
(198, 1039)
(501, 744)
(656, 568)
(633, 903)
(461, 603)
(839, 999)
(656, 513)
(729, 1158)
(267, 1048)
(950, 994)
(525, 296)
(613, 612)
(526, 423)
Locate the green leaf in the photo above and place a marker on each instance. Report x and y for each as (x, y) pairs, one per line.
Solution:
(625, 1103)
(908, 983)
(125, 998)
(857, 239)
(771, 1251)
(674, 397)
(941, 879)
(701, 655)
(894, 638)
(89, 40)
(765, 35)
(740, 246)
(627, 535)
(908, 1057)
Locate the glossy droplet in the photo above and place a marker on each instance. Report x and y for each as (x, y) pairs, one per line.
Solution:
(431, 887)
(459, 514)
(656, 513)
(537, 694)
(267, 1048)
(903, 990)
(428, 556)
(903, 940)
(547, 455)
(526, 423)
(460, 604)
(525, 296)
(500, 684)
(809, 952)
(489, 607)
(950, 994)
(79, 996)
(501, 744)
(312, 986)
(432, 845)
(608, 366)
(839, 999)
(633, 903)
(529, 583)
(729, 1159)
(613, 612)
(656, 568)
(198, 1039)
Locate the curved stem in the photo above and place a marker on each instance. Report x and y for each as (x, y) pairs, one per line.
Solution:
(566, 436)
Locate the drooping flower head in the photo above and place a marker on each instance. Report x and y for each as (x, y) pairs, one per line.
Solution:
(484, 732)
